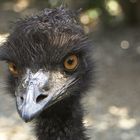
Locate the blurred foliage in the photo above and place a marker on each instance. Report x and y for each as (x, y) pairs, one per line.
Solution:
(130, 9)
(91, 4)
(127, 12)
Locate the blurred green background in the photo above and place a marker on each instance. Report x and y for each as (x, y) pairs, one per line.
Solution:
(113, 105)
(105, 13)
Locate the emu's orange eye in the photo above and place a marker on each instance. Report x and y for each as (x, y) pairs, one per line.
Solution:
(13, 69)
(71, 62)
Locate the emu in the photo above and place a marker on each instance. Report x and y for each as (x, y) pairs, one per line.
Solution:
(49, 70)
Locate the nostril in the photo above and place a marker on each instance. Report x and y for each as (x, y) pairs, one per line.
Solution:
(41, 97)
(22, 99)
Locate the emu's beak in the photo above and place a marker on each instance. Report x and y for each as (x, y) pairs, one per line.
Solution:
(38, 91)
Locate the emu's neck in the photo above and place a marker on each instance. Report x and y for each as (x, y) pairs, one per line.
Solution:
(63, 121)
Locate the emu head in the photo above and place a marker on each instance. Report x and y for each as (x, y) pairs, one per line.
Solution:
(48, 60)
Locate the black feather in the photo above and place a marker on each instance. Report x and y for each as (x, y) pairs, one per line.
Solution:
(43, 41)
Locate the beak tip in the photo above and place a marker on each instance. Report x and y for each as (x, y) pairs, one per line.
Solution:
(25, 120)
(25, 116)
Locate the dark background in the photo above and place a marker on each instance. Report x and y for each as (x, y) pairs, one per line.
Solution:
(113, 105)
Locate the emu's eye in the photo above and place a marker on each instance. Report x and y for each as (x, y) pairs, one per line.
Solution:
(13, 69)
(71, 62)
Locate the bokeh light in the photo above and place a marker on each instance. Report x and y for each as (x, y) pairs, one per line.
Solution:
(3, 38)
(125, 44)
(113, 7)
(21, 5)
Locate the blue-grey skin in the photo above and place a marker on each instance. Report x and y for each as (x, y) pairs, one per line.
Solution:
(49, 86)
